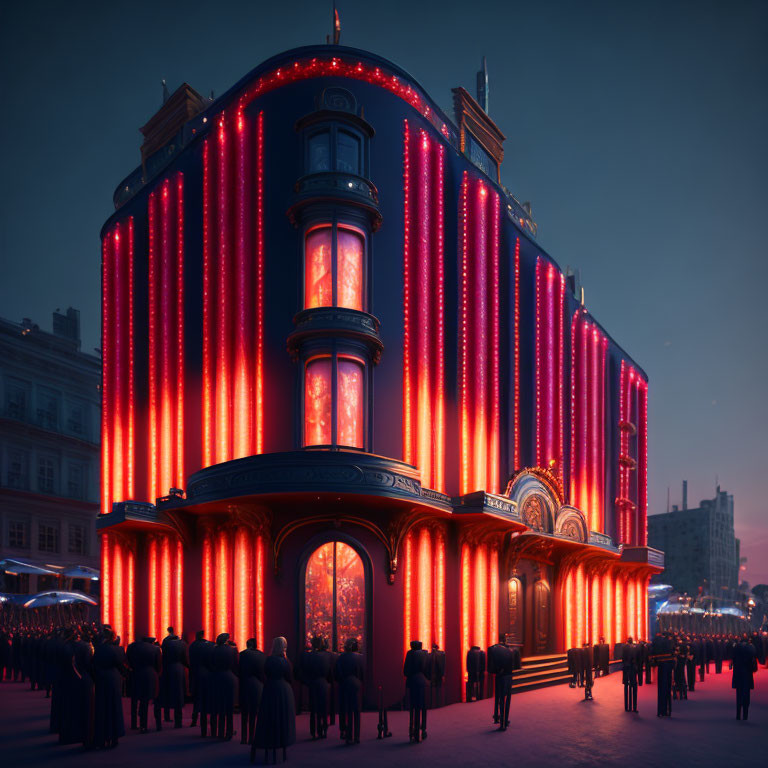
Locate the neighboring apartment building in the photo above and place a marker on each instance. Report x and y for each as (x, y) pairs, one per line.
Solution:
(49, 449)
(701, 548)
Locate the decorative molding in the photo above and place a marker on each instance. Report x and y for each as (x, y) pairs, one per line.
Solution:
(571, 524)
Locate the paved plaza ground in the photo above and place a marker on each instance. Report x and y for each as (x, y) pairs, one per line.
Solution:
(550, 727)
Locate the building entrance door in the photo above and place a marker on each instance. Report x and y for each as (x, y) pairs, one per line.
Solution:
(541, 616)
(334, 595)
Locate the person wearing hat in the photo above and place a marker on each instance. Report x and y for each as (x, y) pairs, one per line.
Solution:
(225, 685)
(276, 721)
(349, 673)
(415, 669)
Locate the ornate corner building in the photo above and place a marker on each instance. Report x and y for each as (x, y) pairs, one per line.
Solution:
(326, 320)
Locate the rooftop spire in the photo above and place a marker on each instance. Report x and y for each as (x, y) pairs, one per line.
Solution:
(336, 28)
(482, 87)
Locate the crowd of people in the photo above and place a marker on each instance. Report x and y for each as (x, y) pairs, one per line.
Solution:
(85, 672)
(675, 659)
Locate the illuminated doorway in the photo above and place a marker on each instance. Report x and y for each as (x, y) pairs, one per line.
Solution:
(334, 595)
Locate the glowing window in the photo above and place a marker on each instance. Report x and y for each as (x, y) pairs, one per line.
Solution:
(334, 595)
(318, 287)
(350, 404)
(317, 402)
(321, 250)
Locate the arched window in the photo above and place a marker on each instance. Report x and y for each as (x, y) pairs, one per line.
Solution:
(334, 595)
(334, 267)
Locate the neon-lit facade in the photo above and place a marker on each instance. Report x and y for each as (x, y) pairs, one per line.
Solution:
(389, 413)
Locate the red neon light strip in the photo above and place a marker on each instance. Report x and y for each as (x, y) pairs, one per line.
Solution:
(569, 609)
(494, 445)
(129, 459)
(208, 430)
(178, 575)
(440, 590)
(130, 632)
(167, 374)
(118, 369)
(407, 592)
(464, 341)
(493, 599)
(180, 369)
(154, 604)
(117, 589)
(425, 571)
(480, 338)
(516, 373)
(466, 591)
(439, 366)
(259, 384)
(165, 581)
(259, 578)
(642, 463)
(242, 623)
(480, 618)
(408, 431)
(106, 580)
(106, 372)
(584, 467)
(208, 586)
(152, 348)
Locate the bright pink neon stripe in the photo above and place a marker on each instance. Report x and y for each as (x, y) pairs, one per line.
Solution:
(492, 481)
(180, 368)
(118, 367)
(167, 357)
(439, 474)
(223, 348)
(408, 407)
(209, 331)
(479, 224)
(106, 384)
(259, 385)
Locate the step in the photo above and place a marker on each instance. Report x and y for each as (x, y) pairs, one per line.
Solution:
(555, 664)
(525, 685)
(544, 659)
(539, 674)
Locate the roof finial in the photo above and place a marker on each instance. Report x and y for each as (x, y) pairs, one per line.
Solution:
(482, 87)
(166, 94)
(336, 28)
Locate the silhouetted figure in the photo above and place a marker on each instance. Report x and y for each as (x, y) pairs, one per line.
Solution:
(744, 667)
(319, 675)
(415, 670)
(718, 647)
(629, 672)
(173, 680)
(665, 662)
(300, 673)
(251, 671)
(196, 651)
(586, 671)
(148, 659)
(206, 681)
(495, 663)
(503, 661)
(602, 658)
(680, 687)
(573, 656)
(225, 685)
(699, 656)
(276, 721)
(108, 666)
(475, 673)
(78, 701)
(436, 676)
(690, 668)
(350, 672)
(131, 684)
(647, 662)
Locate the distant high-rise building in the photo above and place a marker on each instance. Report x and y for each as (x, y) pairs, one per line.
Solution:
(49, 450)
(700, 545)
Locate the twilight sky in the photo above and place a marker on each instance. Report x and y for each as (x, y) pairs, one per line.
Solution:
(636, 129)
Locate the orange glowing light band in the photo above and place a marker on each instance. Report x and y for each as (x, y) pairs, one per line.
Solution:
(480, 358)
(130, 576)
(494, 445)
(569, 609)
(440, 589)
(152, 348)
(608, 600)
(426, 587)
(243, 407)
(223, 583)
(464, 405)
(242, 622)
(594, 607)
(106, 580)
(180, 369)
(178, 575)
(631, 607)
(259, 579)
(408, 592)
(208, 596)
(208, 314)
(480, 623)
(106, 372)
(224, 321)
(408, 431)
(581, 635)
(117, 590)
(620, 624)
(493, 592)
(167, 320)
(118, 374)
(154, 604)
(259, 373)
(165, 581)
(466, 591)
(439, 367)
(516, 373)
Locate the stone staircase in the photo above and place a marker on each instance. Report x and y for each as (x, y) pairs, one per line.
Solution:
(540, 672)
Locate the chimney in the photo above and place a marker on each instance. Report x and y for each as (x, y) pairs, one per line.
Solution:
(685, 495)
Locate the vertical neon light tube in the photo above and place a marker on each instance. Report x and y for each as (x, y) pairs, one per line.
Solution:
(106, 373)
(424, 289)
(539, 363)
(180, 370)
(516, 329)
(223, 583)
(224, 324)
(440, 589)
(581, 634)
(594, 607)
(548, 333)
(621, 584)
(243, 407)
(466, 591)
(408, 592)
(439, 471)
(494, 446)
(106, 580)
(622, 449)
(153, 352)
(117, 592)
(118, 370)
(178, 575)
(426, 576)
(560, 336)
(129, 459)
(167, 321)
(480, 337)
(569, 609)
(130, 632)
(642, 463)
(493, 592)
(208, 314)
(154, 605)
(631, 608)
(573, 485)
(165, 581)
(480, 624)
(585, 468)
(208, 586)
(259, 383)
(594, 460)
(608, 609)
(242, 624)
(409, 455)
(464, 433)
(601, 434)
(259, 589)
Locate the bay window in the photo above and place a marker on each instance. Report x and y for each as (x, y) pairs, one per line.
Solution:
(334, 267)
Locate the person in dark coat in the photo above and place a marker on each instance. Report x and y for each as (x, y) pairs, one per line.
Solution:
(647, 662)
(78, 693)
(300, 672)
(415, 670)
(586, 671)
(206, 681)
(475, 673)
(436, 676)
(196, 650)
(251, 672)
(665, 661)
(276, 721)
(225, 685)
(131, 665)
(173, 680)
(349, 673)
(680, 684)
(602, 662)
(108, 666)
(573, 656)
(699, 656)
(148, 660)
(319, 675)
(690, 667)
(495, 657)
(629, 671)
(718, 647)
(744, 667)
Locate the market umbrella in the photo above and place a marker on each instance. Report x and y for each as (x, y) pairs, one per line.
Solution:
(42, 599)
(80, 572)
(19, 566)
